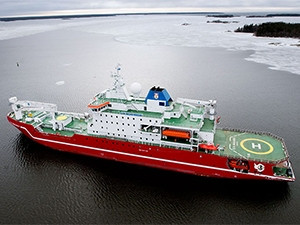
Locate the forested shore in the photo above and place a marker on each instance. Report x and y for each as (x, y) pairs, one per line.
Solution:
(277, 29)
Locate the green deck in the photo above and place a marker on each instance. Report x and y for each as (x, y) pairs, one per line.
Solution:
(250, 145)
(182, 122)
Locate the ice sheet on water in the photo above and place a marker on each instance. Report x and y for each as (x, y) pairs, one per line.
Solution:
(61, 82)
(278, 53)
(16, 29)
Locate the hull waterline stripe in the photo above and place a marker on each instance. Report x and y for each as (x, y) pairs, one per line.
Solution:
(148, 157)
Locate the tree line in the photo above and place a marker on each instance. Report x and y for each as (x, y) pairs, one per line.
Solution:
(277, 29)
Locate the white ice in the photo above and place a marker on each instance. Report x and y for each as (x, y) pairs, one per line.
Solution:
(278, 53)
(61, 82)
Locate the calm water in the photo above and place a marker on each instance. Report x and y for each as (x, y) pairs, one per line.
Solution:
(39, 185)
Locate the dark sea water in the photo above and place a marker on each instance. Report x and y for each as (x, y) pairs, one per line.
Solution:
(40, 185)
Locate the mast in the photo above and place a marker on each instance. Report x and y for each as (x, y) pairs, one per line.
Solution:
(118, 90)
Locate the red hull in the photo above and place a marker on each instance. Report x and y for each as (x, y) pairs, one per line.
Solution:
(197, 163)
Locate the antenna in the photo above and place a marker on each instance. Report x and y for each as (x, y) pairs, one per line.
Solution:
(118, 77)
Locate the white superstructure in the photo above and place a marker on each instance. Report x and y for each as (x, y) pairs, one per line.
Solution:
(115, 113)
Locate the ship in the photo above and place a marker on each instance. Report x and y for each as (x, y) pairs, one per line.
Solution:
(180, 135)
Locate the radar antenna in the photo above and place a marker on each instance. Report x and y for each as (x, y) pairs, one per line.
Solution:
(118, 77)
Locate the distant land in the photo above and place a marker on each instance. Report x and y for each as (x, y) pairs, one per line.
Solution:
(208, 14)
(221, 15)
(276, 15)
(16, 18)
(276, 29)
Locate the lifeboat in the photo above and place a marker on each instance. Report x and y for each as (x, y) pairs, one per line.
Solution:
(208, 147)
(176, 133)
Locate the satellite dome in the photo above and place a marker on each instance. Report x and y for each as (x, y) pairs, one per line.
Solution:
(136, 89)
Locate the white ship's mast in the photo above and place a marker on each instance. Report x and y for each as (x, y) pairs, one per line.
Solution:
(118, 90)
(118, 78)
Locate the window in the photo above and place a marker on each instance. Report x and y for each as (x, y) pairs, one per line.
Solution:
(161, 104)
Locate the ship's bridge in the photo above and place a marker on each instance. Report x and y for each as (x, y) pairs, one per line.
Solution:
(157, 99)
